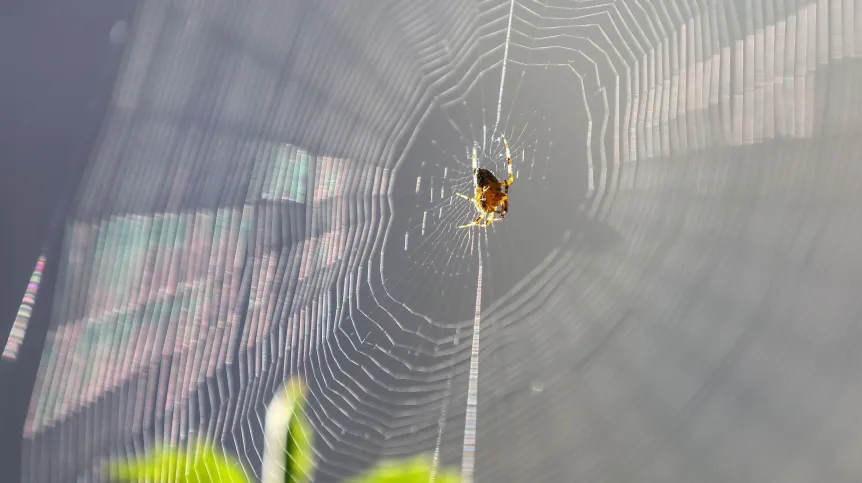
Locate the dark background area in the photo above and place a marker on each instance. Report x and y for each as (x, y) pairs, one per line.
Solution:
(58, 69)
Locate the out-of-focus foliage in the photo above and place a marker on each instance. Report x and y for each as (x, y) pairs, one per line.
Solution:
(416, 470)
(201, 463)
(204, 463)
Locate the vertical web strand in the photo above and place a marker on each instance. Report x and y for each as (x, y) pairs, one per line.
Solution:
(505, 61)
(468, 456)
(441, 425)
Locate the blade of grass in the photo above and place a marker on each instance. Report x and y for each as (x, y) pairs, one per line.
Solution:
(288, 455)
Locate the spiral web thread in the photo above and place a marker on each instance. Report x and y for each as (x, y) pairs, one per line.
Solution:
(254, 183)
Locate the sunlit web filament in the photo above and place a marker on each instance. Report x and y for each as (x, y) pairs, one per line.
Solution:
(441, 424)
(468, 457)
(22, 319)
(505, 60)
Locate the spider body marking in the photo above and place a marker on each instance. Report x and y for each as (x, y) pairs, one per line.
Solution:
(491, 196)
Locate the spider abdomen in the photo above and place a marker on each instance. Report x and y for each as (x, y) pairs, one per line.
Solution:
(485, 178)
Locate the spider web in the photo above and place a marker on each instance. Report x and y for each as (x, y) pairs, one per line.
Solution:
(273, 194)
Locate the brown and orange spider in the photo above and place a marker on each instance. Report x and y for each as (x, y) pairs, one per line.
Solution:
(492, 195)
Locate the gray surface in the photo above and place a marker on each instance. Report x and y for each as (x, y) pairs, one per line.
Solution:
(692, 318)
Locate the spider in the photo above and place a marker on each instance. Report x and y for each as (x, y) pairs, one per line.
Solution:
(492, 195)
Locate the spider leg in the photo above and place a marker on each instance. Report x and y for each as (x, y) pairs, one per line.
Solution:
(490, 218)
(508, 162)
(473, 223)
(475, 168)
(465, 197)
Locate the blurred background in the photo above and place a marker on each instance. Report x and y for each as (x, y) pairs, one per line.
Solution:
(202, 199)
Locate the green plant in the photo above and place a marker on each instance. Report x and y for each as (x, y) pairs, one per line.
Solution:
(201, 463)
(415, 470)
(288, 455)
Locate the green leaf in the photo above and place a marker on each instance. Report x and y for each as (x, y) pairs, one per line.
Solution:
(200, 463)
(288, 453)
(416, 470)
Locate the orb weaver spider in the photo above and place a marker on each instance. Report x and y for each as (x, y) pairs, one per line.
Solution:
(492, 195)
